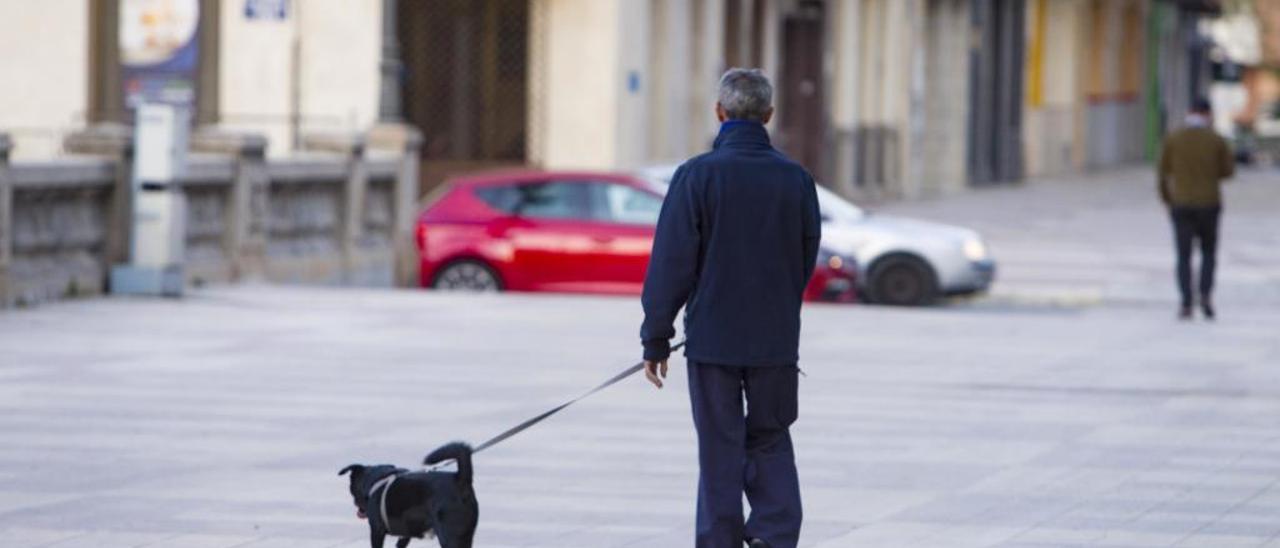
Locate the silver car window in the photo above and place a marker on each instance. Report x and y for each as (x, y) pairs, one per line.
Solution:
(837, 208)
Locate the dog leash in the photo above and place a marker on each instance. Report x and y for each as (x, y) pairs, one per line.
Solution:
(547, 414)
(385, 483)
(510, 432)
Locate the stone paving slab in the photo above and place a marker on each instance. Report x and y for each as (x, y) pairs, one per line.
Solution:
(221, 420)
(1024, 420)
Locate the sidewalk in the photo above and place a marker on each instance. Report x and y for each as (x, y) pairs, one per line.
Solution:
(221, 420)
(1044, 416)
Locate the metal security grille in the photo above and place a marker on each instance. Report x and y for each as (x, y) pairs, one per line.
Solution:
(466, 83)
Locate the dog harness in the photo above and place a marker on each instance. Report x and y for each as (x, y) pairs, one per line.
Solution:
(385, 485)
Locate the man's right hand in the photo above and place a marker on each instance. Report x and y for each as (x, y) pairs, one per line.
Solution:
(655, 371)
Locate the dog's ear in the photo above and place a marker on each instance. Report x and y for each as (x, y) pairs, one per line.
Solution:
(351, 468)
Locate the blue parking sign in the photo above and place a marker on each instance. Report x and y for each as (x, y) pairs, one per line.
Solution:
(270, 10)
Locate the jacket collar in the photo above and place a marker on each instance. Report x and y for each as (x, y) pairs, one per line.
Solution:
(742, 134)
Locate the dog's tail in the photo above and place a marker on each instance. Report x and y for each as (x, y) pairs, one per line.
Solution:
(457, 451)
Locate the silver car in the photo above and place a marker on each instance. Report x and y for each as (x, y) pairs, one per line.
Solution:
(901, 261)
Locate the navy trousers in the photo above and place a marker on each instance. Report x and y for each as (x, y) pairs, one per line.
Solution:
(747, 453)
(1196, 224)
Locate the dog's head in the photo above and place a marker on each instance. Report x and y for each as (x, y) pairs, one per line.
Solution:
(362, 479)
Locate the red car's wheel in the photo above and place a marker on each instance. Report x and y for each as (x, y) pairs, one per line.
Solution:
(467, 275)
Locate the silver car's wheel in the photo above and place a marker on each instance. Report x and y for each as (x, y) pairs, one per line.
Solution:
(903, 281)
(468, 276)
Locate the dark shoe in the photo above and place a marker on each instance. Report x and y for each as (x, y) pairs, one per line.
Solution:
(1207, 307)
(756, 543)
(1184, 313)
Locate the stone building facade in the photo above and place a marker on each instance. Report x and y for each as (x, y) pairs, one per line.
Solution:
(880, 98)
(313, 69)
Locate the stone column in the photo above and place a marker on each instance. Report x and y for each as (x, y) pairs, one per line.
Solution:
(389, 109)
(709, 36)
(353, 208)
(6, 220)
(247, 216)
(842, 46)
(352, 147)
(677, 63)
(116, 142)
(106, 92)
(392, 133)
(405, 218)
(913, 108)
(405, 142)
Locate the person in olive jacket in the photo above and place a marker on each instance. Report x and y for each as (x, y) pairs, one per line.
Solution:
(1193, 163)
(735, 245)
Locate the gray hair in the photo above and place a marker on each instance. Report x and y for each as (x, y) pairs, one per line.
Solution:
(746, 94)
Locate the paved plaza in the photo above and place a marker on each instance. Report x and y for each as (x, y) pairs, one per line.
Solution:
(1068, 408)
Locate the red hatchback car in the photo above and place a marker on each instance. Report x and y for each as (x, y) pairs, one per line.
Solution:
(578, 232)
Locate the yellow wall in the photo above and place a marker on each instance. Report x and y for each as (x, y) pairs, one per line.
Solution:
(1052, 124)
(633, 113)
(46, 92)
(885, 36)
(255, 65)
(1061, 71)
(1088, 112)
(1115, 50)
(1037, 23)
(336, 66)
(580, 75)
(1133, 44)
(45, 66)
(341, 52)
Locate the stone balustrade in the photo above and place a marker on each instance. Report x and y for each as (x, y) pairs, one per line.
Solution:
(342, 212)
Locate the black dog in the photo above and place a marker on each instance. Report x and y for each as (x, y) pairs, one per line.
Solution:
(411, 505)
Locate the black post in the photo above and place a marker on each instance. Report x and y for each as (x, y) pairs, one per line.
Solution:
(389, 110)
(6, 221)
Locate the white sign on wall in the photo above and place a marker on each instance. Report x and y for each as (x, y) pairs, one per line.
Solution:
(266, 10)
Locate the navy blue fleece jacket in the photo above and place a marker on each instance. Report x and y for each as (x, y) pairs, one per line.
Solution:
(735, 245)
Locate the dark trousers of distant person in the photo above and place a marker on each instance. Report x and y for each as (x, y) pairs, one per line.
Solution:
(746, 453)
(1191, 224)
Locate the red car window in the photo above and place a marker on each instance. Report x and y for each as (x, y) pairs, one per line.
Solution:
(502, 198)
(542, 199)
(619, 203)
(553, 200)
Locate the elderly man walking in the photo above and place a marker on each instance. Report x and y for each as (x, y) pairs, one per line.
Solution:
(735, 245)
(1193, 163)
